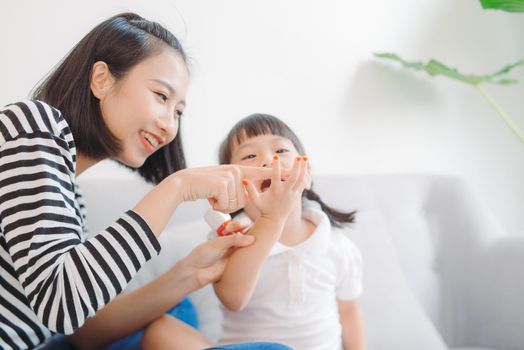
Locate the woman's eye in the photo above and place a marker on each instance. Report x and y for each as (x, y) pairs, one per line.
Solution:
(282, 150)
(249, 156)
(162, 96)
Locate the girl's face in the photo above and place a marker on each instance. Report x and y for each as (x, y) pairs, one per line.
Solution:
(259, 151)
(143, 108)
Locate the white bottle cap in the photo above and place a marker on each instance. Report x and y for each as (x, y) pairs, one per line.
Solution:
(215, 219)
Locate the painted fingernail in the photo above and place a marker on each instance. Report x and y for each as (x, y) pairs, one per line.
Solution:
(245, 182)
(299, 158)
(305, 158)
(275, 157)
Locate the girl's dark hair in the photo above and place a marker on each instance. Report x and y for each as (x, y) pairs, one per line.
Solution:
(265, 124)
(121, 42)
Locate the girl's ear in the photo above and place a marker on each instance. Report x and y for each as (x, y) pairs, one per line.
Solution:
(101, 79)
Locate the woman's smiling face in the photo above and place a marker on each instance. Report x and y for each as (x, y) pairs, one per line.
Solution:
(142, 110)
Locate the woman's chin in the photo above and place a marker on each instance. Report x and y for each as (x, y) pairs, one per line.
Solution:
(134, 163)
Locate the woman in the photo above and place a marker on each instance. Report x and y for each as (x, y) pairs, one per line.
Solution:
(118, 94)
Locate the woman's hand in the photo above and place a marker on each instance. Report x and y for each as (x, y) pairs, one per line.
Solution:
(221, 185)
(206, 262)
(282, 196)
(242, 225)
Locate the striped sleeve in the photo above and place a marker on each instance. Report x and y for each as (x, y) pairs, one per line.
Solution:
(65, 278)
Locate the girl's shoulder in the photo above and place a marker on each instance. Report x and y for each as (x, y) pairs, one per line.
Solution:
(341, 242)
(31, 117)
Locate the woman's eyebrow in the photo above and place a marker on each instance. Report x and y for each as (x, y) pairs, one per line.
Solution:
(165, 84)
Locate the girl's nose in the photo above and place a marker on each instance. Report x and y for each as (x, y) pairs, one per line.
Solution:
(266, 160)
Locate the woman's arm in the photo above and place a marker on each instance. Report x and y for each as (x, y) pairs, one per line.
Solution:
(221, 185)
(132, 311)
(352, 325)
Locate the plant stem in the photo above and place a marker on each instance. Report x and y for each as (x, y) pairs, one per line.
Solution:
(501, 112)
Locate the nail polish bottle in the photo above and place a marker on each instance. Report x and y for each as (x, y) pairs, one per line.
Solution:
(218, 221)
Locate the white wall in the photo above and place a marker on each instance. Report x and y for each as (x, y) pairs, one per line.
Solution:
(310, 63)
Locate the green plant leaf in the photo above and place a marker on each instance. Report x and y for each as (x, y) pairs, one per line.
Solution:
(504, 5)
(434, 67)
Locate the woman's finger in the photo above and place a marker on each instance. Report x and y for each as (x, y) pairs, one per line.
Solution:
(231, 190)
(240, 194)
(237, 226)
(226, 242)
(261, 173)
(220, 199)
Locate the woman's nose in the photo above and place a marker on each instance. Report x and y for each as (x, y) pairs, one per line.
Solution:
(169, 126)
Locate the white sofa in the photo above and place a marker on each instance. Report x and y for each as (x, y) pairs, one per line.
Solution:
(439, 272)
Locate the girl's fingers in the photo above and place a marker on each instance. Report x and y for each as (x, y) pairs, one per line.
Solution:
(309, 179)
(276, 178)
(302, 177)
(295, 172)
(251, 190)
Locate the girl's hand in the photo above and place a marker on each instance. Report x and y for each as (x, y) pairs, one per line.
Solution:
(282, 196)
(206, 262)
(221, 185)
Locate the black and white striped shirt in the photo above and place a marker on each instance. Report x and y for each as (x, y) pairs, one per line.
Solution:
(51, 277)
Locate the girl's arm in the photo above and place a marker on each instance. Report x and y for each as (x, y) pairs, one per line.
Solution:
(238, 282)
(352, 325)
(133, 311)
(240, 276)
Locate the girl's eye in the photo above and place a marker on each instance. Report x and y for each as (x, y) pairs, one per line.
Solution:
(178, 114)
(162, 96)
(282, 150)
(249, 156)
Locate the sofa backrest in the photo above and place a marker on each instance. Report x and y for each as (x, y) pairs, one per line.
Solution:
(428, 217)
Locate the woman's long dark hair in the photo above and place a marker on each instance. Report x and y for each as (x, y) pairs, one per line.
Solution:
(122, 42)
(265, 124)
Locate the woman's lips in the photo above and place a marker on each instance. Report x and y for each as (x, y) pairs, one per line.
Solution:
(149, 147)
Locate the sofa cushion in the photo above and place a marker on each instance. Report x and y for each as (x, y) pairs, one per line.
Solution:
(394, 319)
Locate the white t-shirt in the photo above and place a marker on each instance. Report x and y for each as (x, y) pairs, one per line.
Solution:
(295, 300)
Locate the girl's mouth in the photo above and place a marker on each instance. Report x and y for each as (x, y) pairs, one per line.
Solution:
(264, 186)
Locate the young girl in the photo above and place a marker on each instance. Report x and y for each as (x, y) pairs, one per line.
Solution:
(118, 94)
(299, 282)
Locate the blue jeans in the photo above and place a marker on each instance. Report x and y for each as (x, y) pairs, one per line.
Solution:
(184, 311)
